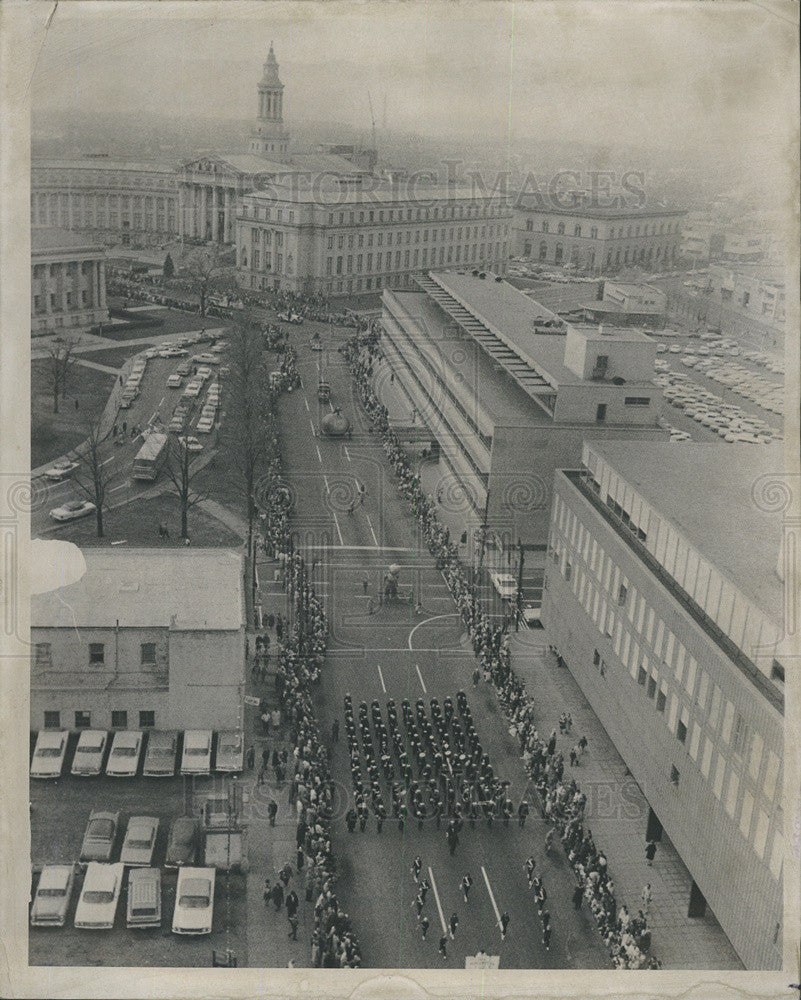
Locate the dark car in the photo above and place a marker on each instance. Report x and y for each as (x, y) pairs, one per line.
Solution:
(98, 841)
(182, 842)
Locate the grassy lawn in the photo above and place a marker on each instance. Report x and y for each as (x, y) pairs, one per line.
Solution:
(53, 434)
(136, 524)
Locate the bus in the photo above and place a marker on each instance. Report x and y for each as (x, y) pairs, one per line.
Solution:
(151, 457)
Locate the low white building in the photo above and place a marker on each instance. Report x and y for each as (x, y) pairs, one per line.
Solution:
(147, 638)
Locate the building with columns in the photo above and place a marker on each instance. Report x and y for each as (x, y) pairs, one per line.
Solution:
(111, 202)
(68, 282)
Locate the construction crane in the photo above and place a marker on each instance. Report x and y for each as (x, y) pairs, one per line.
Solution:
(372, 117)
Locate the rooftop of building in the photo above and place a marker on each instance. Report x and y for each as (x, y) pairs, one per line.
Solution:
(633, 287)
(309, 163)
(709, 492)
(545, 204)
(384, 194)
(48, 239)
(186, 589)
(102, 163)
(506, 311)
(625, 334)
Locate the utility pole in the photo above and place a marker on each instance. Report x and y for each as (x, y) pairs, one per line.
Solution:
(519, 596)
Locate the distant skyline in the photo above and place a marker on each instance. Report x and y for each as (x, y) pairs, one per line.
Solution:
(652, 74)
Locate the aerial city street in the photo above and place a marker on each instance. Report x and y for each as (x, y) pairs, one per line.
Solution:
(431, 606)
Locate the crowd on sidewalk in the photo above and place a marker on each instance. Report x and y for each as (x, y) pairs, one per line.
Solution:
(301, 647)
(561, 801)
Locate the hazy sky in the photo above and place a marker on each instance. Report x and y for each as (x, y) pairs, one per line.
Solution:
(628, 72)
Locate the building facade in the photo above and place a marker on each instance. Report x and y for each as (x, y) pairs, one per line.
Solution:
(351, 239)
(68, 282)
(509, 391)
(111, 202)
(151, 639)
(596, 240)
(627, 304)
(670, 627)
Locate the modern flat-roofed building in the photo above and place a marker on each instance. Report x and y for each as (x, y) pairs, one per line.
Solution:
(627, 303)
(663, 596)
(341, 239)
(68, 282)
(509, 391)
(147, 638)
(593, 238)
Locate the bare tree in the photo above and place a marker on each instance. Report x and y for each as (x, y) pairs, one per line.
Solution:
(180, 474)
(96, 472)
(60, 361)
(249, 416)
(208, 271)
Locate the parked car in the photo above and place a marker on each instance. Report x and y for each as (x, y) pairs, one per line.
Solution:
(191, 443)
(182, 842)
(88, 759)
(174, 381)
(61, 470)
(101, 832)
(144, 898)
(196, 758)
(184, 368)
(505, 584)
(52, 896)
(194, 901)
(97, 905)
(48, 754)
(73, 510)
(140, 841)
(230, 751)
(123, 761)
(160, 757)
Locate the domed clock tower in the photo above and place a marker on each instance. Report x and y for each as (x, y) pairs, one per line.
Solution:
(270, 137)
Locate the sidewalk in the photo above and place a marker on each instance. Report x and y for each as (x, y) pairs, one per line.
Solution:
(617, 813)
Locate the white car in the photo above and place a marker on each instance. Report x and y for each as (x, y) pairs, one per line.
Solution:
(173, 352)
(191, 443)
(123, 760)
(153, 352)
(194, 901)
(174, 381)
(192, 389)
(203, 373)
(88, 759)
(230, 751)
(52, 896)
(48, 755)
(73, 510)
(196, 757)
(505, 584)
(140, 841)
(97, 905)
(61, 470)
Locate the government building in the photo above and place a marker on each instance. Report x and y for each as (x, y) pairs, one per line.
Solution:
(595, 239)
(666, 606)
(68, 282)
(145, 639)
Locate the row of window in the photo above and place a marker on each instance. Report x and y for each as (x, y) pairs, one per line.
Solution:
(611, 234)
(365, 262)
(85, 200)
(68, 267)
(71, 177)
(649, 648)
(409, 214)
(58, 302)
(83, 719)
(101, 219)
(43, 654)
(645, 255)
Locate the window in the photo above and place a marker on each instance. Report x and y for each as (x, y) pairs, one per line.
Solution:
(681, 732)
(622, 594)
(674, 776)
(600, 413)
(651, 687)
(147, 720)
(641, 675)
(52, 720)
(741, 738)
(97, 652)
(147, 652)
(777, 672)
(637, 400)
(661, 700)
(43, 654)
(596, 658)
(560, 229)
(83, 720)
(119, 720)
(568, 571)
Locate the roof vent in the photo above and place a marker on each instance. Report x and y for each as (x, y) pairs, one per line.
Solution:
(475, 272)
(129, 587)
(617, 380)
(482, 274)
(498, 278)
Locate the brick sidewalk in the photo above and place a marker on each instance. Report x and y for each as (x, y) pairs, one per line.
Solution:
(617, 813)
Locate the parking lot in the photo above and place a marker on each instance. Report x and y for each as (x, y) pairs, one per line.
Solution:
(60, 810)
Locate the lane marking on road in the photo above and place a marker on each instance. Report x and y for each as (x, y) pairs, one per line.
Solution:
(123, 486)
(339, 533)
(422, 682)
(336, 522)
(370, 523)
(317, 446)
(108, 460)
(311, 424)
(308, 408)
(347, 454)
(381, 678)
(361, 548)
(434, 618)
(492, 897)
(436, 897)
